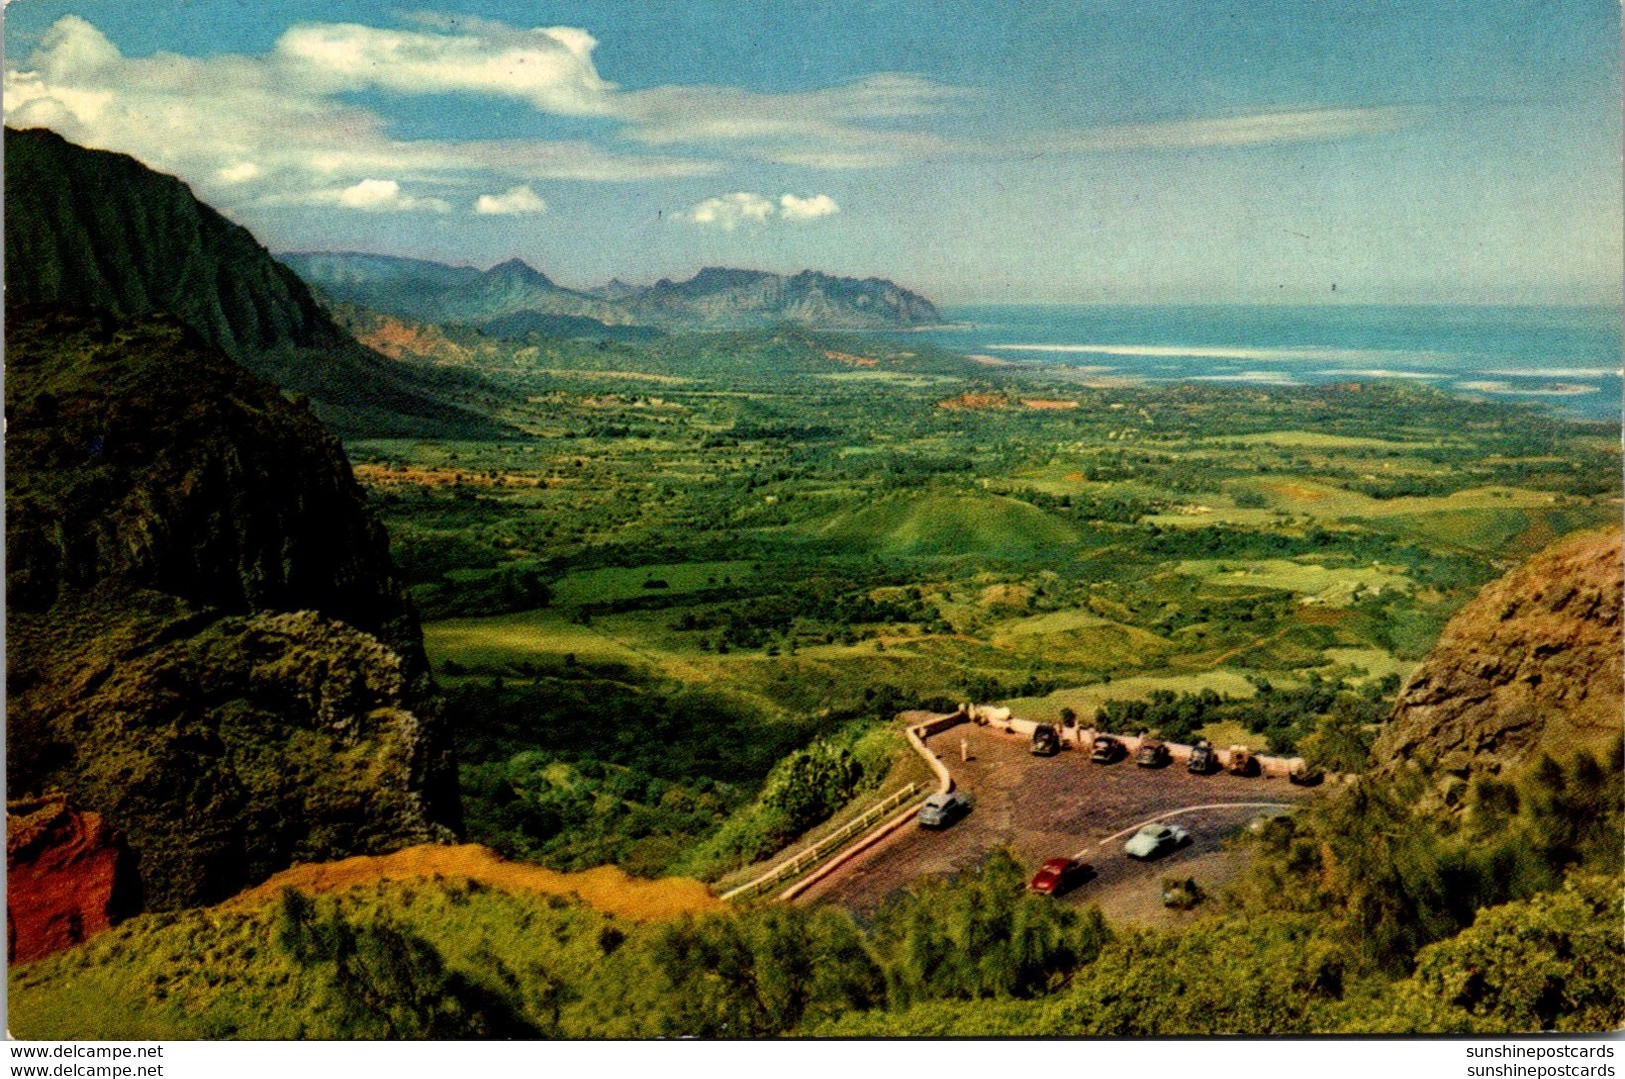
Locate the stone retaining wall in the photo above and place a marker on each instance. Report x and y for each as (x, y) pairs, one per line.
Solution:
(1083, 737)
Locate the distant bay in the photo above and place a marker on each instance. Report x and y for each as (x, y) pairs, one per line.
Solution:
(1564, 358)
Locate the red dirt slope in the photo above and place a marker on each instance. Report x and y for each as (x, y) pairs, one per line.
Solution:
(61, 877)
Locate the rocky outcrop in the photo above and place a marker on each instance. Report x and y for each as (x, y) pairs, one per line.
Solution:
(1531, 665)
(206, 641)
(224, 749)
(139, 457)
(66, 877)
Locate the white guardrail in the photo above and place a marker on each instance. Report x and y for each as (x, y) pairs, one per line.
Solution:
(806, 859)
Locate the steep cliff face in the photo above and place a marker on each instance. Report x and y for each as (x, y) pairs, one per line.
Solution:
(1531, 665)
(223, 749)
(88, 228)
(139, 457)
(163, 505)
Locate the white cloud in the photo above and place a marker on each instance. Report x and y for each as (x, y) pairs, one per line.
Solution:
(380, 196)
(728, 212)
(818, 128)
(551, 68)
(792, 208)
(241, 172)
(269, 130)
(1256, 129)
(519, 199)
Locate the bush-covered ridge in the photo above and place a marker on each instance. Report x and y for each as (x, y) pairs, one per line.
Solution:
(207, 644)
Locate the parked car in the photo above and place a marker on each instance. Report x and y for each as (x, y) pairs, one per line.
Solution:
(1059, 875)
(1046, 741)
(1107, 749)
(941, 810)
(1152, 754)
(1204, 759)
(1155, 840)
(1242, 762)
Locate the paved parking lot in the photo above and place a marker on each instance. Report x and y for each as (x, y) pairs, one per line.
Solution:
(1042, 807)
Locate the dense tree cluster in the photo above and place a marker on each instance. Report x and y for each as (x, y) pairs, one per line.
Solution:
(1330, 721)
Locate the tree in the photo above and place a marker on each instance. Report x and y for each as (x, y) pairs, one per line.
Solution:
(1554, 962)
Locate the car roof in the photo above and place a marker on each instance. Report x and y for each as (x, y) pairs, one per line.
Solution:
(939, 799)
(1057, 863)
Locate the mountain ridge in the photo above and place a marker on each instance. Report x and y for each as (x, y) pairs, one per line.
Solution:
(716, 297)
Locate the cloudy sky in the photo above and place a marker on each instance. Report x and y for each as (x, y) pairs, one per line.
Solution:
(1086, 151)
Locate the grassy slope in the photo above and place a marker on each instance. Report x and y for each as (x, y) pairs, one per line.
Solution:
(948, 526)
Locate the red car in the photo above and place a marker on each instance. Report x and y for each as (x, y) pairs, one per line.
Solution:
(1058, 874)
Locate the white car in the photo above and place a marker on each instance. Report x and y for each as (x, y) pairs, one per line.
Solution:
(1156, 839)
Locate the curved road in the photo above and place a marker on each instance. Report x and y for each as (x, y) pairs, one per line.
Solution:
(1044, 807)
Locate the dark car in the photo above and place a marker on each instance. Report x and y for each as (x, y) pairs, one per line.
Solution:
(1204, 759)
(1151, 754)
(1242, 762)
(1059, 875)
(1046, 741)
(941, 810)
(1107, 749)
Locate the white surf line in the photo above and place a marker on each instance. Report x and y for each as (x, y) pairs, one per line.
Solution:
(1187, 809)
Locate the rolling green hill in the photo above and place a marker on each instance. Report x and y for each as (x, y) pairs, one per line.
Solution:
(949, 526)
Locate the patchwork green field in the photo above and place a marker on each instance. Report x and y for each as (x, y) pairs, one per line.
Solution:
(1331, 586)
(805, 532)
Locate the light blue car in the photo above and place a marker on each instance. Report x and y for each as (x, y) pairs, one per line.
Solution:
(941, 810)
(1156, 839)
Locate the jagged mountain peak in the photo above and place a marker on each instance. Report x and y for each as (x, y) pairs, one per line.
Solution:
(517, 269)
(717, 297)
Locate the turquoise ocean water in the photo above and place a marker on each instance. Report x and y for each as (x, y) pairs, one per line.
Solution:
(1562, 358)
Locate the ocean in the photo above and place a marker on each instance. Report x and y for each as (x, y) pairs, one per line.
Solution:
(1566, 359)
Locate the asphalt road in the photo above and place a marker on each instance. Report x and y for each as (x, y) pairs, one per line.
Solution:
(1043, 807)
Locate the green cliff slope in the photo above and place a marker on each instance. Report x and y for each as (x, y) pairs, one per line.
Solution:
(206, 641)
(88, 228)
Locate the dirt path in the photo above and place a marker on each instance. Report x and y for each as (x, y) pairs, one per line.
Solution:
(606, 888)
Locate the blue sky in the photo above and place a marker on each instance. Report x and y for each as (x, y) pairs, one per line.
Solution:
(1189, 151)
